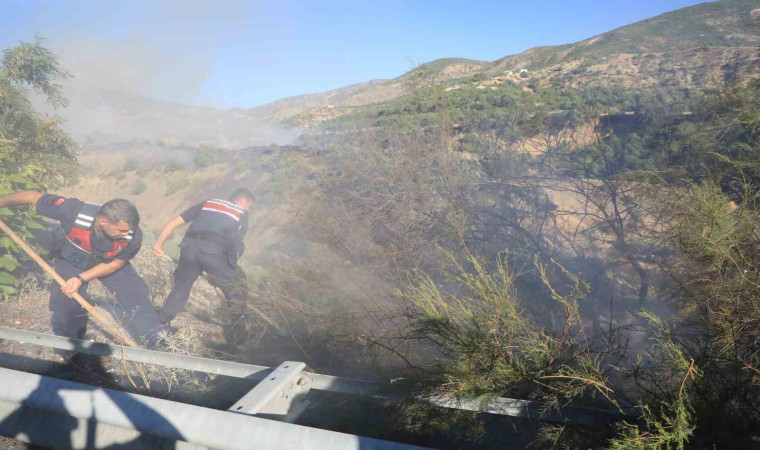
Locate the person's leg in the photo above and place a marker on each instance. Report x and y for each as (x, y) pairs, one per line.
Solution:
(185, 274)
(67, 318)
(233, 283)
(137, 313)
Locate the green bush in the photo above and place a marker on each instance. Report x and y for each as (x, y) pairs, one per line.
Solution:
(492, 348)
(172, 165)
(205, 156)
(139, 188)
(175, 186)
(489, 347)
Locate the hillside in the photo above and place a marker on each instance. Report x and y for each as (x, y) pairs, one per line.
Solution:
(683, 48)
(688, 48)
(664, 51)
(713, 24)
(630, 57)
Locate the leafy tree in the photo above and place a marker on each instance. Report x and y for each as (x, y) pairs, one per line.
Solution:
(35, 154)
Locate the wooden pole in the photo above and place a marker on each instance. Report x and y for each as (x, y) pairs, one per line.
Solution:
(106, 322)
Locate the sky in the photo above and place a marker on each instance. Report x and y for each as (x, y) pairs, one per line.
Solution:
(226, 53)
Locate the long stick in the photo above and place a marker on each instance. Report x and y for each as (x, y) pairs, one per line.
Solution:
(102, 320)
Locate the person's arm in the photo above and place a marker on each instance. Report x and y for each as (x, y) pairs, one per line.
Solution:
(165, 232)
(99, 271)
(20, 199)
(240, 238)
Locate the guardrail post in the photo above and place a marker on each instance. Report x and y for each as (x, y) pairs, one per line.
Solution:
(280, 396)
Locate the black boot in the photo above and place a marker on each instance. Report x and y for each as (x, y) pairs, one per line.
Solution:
(162, 317)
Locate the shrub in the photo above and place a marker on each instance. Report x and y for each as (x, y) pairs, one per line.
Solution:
(205, 156)
(172, 165)
(175, 186)
(491, 348)
(139, 188)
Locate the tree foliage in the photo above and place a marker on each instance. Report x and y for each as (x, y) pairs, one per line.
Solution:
(35, 154)
(659, 195)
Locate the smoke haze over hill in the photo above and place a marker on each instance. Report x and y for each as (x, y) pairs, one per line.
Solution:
(138, 84)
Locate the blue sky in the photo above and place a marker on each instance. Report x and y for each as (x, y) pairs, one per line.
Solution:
(227, 53)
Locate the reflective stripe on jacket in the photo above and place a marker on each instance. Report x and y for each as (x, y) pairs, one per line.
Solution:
(220, 217)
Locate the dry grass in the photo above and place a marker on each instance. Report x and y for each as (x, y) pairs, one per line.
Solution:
(300, 332)
(29, 311)
(165, 381)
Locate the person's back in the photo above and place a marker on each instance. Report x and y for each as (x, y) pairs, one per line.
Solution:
(218, 222)
(218, 216)
(212, 244)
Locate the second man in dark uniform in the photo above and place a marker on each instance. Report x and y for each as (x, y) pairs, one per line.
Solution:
(212, 244)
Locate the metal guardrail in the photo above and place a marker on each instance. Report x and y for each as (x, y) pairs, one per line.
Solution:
(177, 361)
(63, 414)
(500, 406)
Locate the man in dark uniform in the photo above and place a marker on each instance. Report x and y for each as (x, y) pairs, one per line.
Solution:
(96, 242)
(212, 244)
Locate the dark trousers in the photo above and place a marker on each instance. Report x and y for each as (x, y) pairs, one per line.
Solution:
(133, 308)
(196, 257)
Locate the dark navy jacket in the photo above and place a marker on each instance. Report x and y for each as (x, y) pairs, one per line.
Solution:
(77, 240)
(217, 221)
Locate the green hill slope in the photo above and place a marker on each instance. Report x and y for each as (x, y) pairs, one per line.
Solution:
(685, 48)
(715, 24)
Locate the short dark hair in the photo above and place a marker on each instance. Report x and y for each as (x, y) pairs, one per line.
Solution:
(120, 209)
(242, 193)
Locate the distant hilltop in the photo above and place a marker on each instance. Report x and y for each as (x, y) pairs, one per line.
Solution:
(682, 48)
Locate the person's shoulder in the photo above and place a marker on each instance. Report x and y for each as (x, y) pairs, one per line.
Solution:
(51, 199)
(72, 205)
(59, 207)
(192, 212)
